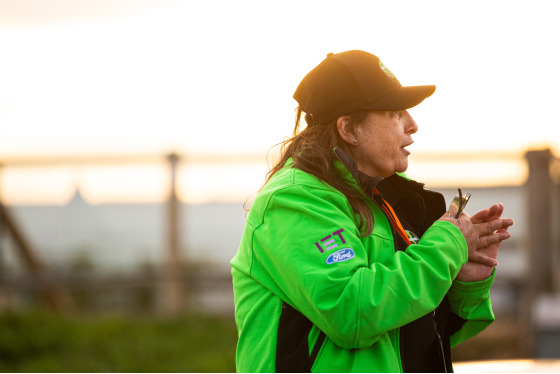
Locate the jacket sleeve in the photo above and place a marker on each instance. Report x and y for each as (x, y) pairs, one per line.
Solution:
(363, 292)
(471, 302)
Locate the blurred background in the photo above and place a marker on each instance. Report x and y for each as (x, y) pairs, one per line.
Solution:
(132, 132)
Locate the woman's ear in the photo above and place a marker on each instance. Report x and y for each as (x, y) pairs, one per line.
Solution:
(346, 130)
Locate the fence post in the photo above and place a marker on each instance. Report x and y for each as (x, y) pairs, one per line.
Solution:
(2, 225)
(2, 233)
(539, 280)
(172, 288)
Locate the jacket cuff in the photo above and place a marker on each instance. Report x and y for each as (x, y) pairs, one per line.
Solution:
(457, 236)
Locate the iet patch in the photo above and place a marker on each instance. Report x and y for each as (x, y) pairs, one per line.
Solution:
(331, 241)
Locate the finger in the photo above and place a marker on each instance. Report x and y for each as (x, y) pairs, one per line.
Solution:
(495, 211)
(481, 216)
(497, 237)
(453, 210)
(492, 249)
(486, 228)
(503, 230)
(484, 259)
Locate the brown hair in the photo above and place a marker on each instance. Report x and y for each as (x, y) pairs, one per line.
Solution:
(312, 151)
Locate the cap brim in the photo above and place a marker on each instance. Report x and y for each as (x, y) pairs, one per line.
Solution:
(403, 98)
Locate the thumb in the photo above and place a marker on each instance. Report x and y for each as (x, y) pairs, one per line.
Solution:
(453, 209)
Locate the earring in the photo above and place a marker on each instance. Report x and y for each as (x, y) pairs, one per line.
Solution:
(355, 141)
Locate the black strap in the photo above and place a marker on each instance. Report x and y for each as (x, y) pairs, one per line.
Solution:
(317, 347)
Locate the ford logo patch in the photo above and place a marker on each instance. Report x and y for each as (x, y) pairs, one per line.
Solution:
(341, 255)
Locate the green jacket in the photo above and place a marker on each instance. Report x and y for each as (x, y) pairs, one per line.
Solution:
(312, 294)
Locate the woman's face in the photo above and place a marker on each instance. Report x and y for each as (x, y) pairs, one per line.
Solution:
(382, 138)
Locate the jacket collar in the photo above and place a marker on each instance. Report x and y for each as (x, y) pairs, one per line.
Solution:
(366, 182)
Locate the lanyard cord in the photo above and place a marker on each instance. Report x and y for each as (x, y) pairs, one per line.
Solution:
(394, 219)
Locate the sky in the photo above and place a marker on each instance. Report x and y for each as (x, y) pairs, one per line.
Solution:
(149, 77)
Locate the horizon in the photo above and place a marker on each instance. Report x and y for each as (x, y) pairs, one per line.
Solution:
(146, 179)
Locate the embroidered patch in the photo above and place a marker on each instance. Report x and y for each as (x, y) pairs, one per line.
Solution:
(386, 70)
(329, 242)
(412, 237)
(344, 254)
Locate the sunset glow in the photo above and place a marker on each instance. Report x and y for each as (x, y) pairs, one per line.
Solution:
(155, 77)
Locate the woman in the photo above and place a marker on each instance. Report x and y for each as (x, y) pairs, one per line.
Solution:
(346, 265)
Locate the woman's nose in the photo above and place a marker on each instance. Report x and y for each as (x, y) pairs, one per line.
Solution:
(411, 127)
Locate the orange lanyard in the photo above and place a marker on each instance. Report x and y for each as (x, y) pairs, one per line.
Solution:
(394, 219)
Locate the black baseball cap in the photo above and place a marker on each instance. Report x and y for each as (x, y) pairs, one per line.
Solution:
(352, 81)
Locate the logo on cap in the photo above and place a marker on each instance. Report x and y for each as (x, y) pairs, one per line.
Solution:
(386, 70)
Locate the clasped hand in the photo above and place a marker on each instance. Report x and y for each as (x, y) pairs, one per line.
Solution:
(484, 232)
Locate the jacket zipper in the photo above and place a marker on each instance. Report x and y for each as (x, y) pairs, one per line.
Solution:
(440, 344)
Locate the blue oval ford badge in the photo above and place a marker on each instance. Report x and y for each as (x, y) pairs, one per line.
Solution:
(341, 255)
